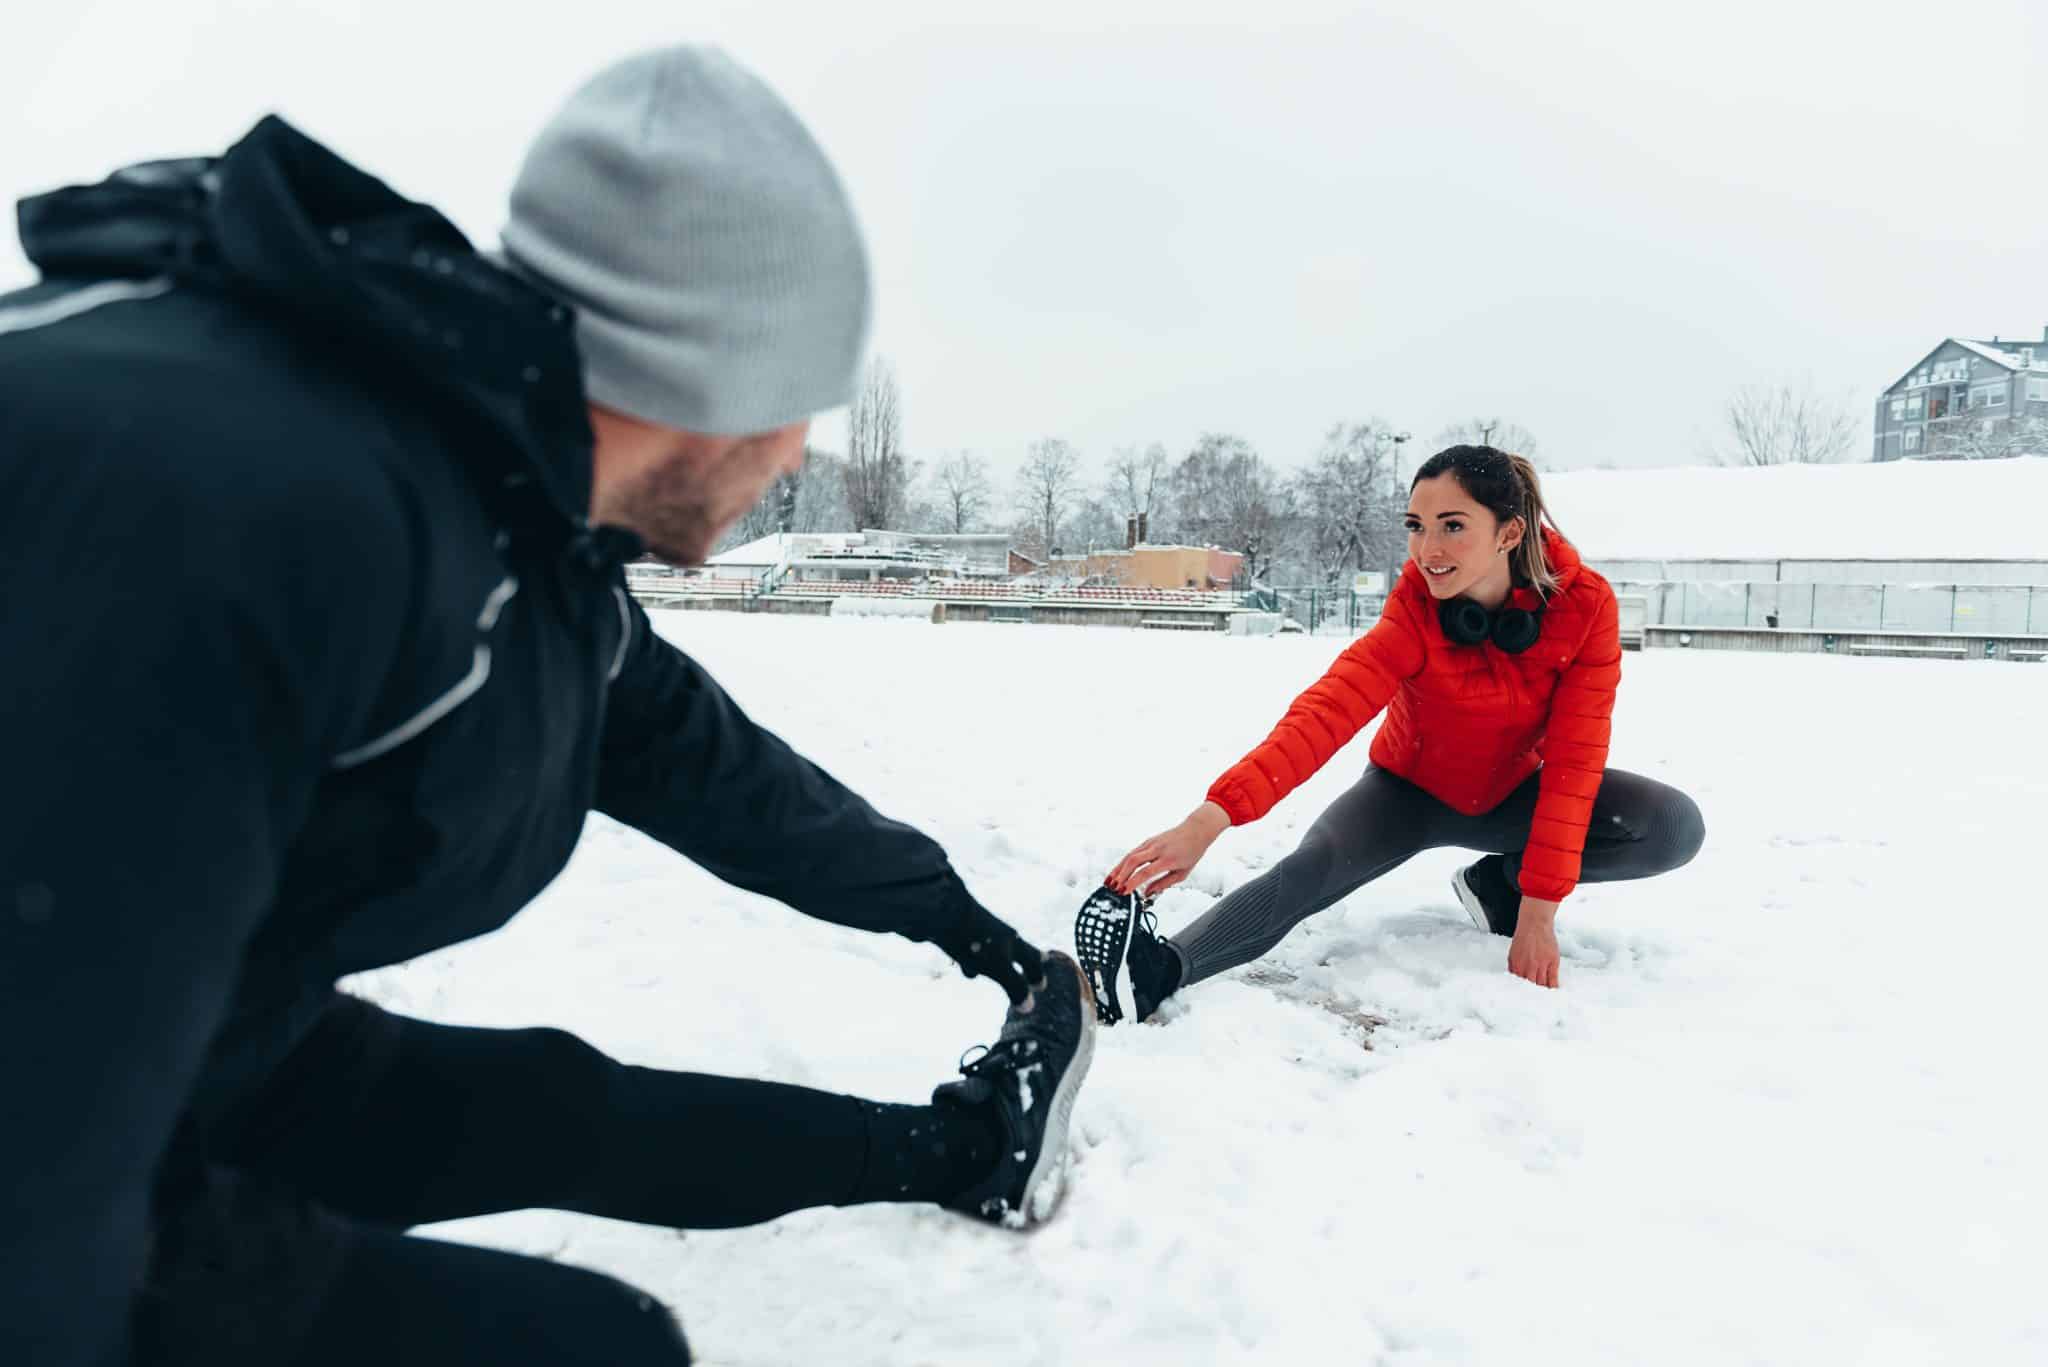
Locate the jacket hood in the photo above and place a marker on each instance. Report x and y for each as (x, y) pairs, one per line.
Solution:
(341, 259)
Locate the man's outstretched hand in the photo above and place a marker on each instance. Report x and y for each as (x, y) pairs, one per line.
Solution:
(985, 947)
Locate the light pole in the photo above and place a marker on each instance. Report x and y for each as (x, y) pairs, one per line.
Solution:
(1399, 439)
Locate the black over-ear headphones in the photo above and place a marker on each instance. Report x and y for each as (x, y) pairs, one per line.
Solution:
(1467, 624)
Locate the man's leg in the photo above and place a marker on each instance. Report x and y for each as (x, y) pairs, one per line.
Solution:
(249, 1272)
(400, 1122)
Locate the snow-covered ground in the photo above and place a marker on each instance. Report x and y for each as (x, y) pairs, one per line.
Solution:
(1785, 1109)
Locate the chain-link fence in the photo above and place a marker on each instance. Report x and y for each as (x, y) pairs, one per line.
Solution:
(1323, 611)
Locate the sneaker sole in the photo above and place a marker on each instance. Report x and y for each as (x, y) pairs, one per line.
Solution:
(1046, 1184)
(1470, 901)
(1111, 969)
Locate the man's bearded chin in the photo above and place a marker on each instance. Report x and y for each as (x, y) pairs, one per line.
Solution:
(679, 540)
(677, 528)
(666, 507)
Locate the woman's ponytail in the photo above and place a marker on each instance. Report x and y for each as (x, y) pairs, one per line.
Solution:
(1531, 566)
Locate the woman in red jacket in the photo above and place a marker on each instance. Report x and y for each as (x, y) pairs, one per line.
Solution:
(1495, 661)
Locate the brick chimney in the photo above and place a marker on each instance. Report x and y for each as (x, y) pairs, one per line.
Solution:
(1143, 518)
(1130, 531)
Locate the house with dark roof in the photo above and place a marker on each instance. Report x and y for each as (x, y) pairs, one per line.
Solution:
(1968, 397)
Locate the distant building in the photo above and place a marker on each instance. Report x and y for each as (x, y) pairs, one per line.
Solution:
(1963, 397)
(1139, 564)
(1897, 546)
(869, 555)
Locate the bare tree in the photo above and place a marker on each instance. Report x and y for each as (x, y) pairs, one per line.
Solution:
(1046, 489)
(820, 494)
(1979, 438)
(1135, 479)
(1502, 434)
(1787, 424)
(961, 488)
(1223, 494)
(877, 473)
(1093, 524)
(1350, 502)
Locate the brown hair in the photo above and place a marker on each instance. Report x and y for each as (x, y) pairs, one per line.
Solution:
(1507, 485)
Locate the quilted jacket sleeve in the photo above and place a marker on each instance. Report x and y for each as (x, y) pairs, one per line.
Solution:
(1574, 758)
(683, 763)
(1319, 723)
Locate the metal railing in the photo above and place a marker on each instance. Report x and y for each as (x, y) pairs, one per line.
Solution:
(669, 584)
(1977, 609)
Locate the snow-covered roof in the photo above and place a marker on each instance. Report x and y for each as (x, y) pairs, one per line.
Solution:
(1897, 510)
(768, 550)
(1997, 355)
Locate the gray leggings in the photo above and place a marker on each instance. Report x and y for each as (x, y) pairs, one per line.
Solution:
(1640, 827)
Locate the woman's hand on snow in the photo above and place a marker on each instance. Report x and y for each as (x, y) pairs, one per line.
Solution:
(1171, 855)
(1533, 953)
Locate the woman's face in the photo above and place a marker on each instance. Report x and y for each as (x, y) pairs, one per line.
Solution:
(1460, 547)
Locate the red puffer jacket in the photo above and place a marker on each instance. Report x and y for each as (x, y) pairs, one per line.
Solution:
(1467, 724)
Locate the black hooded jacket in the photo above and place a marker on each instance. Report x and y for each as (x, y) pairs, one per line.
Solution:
(308, 664)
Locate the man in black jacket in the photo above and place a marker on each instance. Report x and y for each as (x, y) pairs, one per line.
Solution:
(316, 656)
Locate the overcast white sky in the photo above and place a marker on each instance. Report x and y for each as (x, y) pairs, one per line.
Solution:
(1125, 222)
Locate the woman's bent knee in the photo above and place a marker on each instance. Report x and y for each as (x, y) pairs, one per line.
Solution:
(1686, 830)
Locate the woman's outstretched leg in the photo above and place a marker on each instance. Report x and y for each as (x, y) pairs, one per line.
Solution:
(1377, 825)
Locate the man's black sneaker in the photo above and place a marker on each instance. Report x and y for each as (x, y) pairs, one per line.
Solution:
(1116, 936)
(1488, 897)
(1030, 1075)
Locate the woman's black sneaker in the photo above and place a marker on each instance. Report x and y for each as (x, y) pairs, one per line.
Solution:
(1488, 897)
(1116, 936)
(1030, 1076)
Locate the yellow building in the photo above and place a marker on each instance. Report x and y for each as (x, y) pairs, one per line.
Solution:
(1154, 567)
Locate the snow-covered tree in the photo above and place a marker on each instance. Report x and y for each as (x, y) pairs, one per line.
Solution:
(811, 500)
(1979, 438)
(1350, 503)
(1225, 495)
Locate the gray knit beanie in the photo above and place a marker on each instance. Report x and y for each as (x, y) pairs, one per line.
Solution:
(718, 274)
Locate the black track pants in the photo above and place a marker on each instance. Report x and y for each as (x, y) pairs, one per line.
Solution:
(290, 1247)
